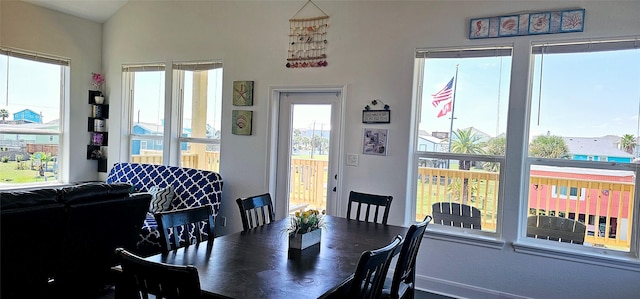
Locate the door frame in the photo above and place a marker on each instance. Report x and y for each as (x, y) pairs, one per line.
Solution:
(272, 142)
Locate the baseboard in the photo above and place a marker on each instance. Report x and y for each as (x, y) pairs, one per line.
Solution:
(458, 290)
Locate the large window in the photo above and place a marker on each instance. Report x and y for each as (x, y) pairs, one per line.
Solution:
(181, 130)
(199, 90)
(570, 153)
(586, 104)
(32, 93)
(144, 85)
(461, 138)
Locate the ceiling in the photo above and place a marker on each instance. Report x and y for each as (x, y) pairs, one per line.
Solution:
(94, 10)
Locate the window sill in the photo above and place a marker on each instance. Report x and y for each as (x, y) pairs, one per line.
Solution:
(594, 256)
(32, 186)
(464, 236)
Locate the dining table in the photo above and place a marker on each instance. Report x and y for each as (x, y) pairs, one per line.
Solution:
(259, 264)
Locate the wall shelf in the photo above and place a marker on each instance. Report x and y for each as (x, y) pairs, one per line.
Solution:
(97, 126)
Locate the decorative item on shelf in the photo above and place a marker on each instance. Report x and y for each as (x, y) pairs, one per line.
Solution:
(98, 125)
(305, 229)
(97, 80)
(376, 116)
(308, 37)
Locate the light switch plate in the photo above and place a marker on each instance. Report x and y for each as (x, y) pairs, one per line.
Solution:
(352, 159)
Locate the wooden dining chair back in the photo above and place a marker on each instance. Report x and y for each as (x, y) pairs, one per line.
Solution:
(256, 210)
(556, 229)
(455, 214)
(368, 280)
(141, 278)
(180, 228)
(365, 203)
(404, 275)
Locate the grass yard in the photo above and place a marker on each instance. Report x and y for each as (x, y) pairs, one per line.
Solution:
(10, 174)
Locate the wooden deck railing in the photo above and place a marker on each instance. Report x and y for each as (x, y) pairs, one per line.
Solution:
(606, 207)
(187, 159)
(308, 183)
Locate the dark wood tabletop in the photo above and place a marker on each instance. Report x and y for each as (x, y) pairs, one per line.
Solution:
(258, 263)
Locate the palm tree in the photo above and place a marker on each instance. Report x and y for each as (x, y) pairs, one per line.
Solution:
(545, 146)
(628, 143)
(4, 114)
(497, 147)
(466, 142)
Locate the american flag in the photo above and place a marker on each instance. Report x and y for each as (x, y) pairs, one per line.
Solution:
(444, 94)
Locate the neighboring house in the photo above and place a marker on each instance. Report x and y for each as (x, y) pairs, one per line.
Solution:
(139, 144)
(596, 149)
(27, 116)
(428, 143)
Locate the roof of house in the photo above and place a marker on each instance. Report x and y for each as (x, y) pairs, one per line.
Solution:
(431, 138)
(594, 146)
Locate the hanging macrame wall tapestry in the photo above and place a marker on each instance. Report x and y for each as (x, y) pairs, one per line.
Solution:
(308, 37)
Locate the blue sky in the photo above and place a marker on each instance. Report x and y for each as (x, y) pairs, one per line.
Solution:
(583, 95)
(30, 86)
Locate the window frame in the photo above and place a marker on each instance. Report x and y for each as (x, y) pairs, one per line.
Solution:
(460, 235)
(62, 153)
(178, 82)
(593, 255)
(512, 227)
(128, 83)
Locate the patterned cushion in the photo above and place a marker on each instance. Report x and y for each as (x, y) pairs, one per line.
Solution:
(161, 199)
(192, 187)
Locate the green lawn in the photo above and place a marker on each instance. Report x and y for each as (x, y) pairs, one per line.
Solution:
(10, 174)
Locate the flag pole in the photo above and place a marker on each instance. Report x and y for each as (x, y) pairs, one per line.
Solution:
(453, 109)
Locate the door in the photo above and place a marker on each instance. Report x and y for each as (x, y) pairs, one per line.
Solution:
(307, 151)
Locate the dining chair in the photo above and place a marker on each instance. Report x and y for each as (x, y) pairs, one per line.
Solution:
(371, 271)
(556, 228)
(141, 278)
(256, 210)
(455, 214)
(185, 226)
(402, 284)
(368, 201)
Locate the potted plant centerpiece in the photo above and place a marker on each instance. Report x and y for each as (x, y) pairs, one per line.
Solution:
(305, 229)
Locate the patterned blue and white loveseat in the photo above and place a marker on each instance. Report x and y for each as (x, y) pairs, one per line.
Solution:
(192, 187)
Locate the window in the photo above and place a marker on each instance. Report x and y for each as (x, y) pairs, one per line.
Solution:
(145, 86)
(199, 92)
(460, 143)
(189, 135)
(565, 140)
(30, 130)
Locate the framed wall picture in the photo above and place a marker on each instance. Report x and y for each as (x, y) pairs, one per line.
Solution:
(241, 122)
(243, 93)
(375, 142)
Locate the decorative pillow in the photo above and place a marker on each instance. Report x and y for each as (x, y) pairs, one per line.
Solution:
(161, 199)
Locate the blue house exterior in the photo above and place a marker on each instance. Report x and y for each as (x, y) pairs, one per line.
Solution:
(596, 149)
(149, 144)
(28, 116)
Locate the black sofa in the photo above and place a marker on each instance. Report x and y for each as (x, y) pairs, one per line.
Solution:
(61, 240)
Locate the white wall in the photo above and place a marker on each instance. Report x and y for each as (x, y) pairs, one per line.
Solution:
(370, 50)
(28, 27)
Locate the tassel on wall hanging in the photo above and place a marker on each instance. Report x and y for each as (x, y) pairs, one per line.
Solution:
(308, 37)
